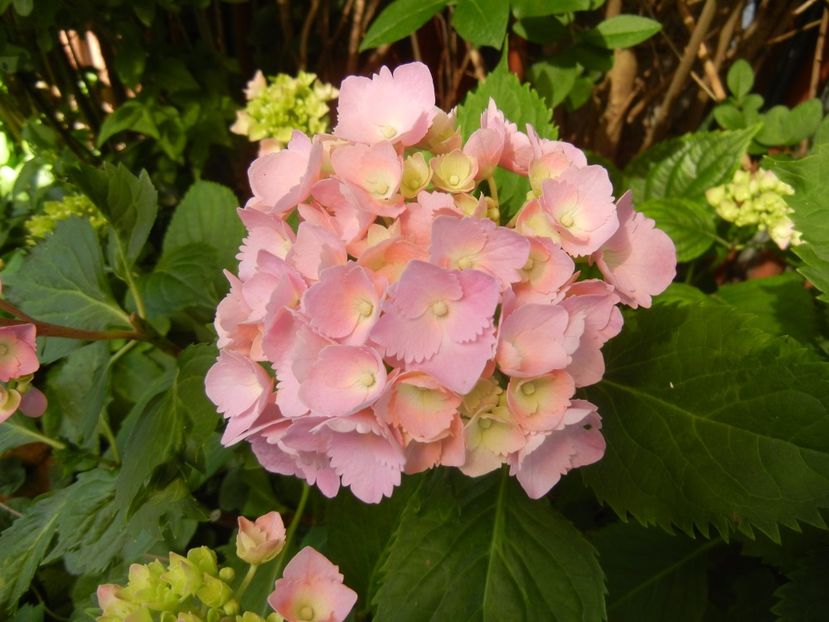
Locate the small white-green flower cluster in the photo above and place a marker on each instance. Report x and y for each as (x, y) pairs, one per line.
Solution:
(757, 199)
(279, 105)
(39, 226)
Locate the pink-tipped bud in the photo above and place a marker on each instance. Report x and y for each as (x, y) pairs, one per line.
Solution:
(261, 540)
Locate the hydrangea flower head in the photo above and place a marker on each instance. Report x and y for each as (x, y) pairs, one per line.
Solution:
(413, 320)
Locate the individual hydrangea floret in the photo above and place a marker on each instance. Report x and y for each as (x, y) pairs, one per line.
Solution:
(18, 363)
(405, 325)
(757, 199)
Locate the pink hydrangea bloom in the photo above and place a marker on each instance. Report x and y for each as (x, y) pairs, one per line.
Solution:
(408, 322)
(311, 590)
(18, 351)
(396, 107)
(639, 260)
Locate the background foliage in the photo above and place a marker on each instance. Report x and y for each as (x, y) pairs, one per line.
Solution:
(711, 500)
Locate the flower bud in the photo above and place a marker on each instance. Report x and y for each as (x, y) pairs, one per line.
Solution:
(204, 559)
(214, 592)
(260, 541)
(227, 574)
(183, 576)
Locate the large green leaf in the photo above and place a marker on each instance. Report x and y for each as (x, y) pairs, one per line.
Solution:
(207, 215)
(519, 103)
(481, 550)
(690, 224)
(78, 389)
(173, 413)
(712, 423)
(359, 532)
(781, 304)
(400, 19)
(805, 598)
(810, 203)
(187, 277)
(688, 166)
(482, 22)
(129, 204)
(652, 575)
(24, 545)
(622, 31)
(133, 116)
(62, 281)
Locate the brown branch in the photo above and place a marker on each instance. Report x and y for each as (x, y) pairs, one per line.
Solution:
(355, 35)
(681, 73)
(817, 62)
(306, 33)
(727, 33)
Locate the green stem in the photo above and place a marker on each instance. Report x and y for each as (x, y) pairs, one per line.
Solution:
(36, 435)
(279, 564)
(243, 586)
(493, 190)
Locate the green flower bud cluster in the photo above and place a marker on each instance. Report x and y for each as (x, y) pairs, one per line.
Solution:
(39, 226)
(187, 589)
(756, 200)
(278, 106)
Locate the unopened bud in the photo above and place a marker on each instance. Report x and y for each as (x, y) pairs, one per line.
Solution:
(260, 541)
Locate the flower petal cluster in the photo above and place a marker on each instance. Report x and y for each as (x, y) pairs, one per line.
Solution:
(401, 327)
(757, 199)
(193, 588)
(279, 105)
(18, 363)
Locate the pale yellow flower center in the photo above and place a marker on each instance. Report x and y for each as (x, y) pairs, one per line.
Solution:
(306, 613)
(454, 180)
(567, 220)
(365, 308)
(388, 131)
(528, 388)
(465, 263)
(485, 424)
(440, 308)
(367, 380)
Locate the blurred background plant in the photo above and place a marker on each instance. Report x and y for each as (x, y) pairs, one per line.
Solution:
(127, 131)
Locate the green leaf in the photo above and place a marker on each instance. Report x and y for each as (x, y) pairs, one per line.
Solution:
(690, 224)
(781, 304)
(482, 22)
(552, 81)
(16, 432)
(519, 103)
(400, 19)
(808, 178)
(62, 281)
(622, 31)
(129, 204)
(132, 116)
(782, 126)
(24, 7)
(711, 423)
(165, 421)
(805, 598)
(89, 532)
(480, 550)
(540, 8)
(740, 78)
(540, 29)
(359, 532)
(688, 166)
(207, 215)
(652, 575)
(185, 278)
(729, 117)
(78, 387)
(25, 544)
